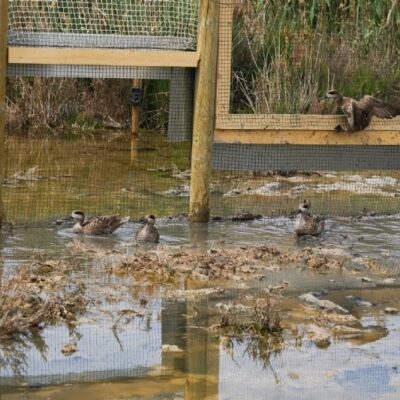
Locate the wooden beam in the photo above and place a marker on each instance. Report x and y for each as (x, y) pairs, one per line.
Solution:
(110, 57)
(3, 66)
(307, 137)
(300, 122)
(204, 111)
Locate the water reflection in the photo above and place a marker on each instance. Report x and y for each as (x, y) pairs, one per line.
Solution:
(185, 360)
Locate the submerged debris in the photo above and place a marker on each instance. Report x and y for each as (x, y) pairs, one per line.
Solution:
(313, 300)
(359, 301)
(69, 348)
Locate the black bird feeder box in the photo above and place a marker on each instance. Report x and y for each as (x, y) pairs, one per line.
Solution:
(136, 96)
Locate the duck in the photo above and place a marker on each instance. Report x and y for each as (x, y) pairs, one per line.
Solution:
(102, 225)
(360, 112)
(307, 224)
(148, 232)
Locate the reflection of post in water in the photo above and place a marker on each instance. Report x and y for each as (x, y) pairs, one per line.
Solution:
(198, 234)
(202, 349)
(184, 325)
(136, 100)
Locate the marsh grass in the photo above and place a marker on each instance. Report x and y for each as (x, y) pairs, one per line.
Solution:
(287, 53)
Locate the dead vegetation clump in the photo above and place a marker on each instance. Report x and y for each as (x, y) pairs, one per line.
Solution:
(234, 264)
(250, 316)
(162, 265)
(39, 295)
(254, 322)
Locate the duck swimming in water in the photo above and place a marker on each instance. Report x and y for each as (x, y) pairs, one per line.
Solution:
(360, 112)
(98, 225)
(148, 232)
(307, 224)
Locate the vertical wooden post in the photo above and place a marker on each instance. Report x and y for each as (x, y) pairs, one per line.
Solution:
(3, 66)
(136, 84)
(204, 111)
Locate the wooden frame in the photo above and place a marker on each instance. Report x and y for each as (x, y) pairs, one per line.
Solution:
(282, 128)
(108, 57)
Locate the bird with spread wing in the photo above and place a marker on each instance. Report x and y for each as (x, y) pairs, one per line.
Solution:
(360, 112)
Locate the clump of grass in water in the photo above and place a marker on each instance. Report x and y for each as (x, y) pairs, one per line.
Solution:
(36, 296)
(258, 318)
(254, 323)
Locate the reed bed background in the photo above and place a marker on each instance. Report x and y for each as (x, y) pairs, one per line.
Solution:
(286, 54)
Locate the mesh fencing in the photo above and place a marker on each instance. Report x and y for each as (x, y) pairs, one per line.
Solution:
(275, 137)
(69, 146)
(54, 169)
(103, 23)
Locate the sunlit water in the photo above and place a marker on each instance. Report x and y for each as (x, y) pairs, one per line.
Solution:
(48, 178)
(132, 362)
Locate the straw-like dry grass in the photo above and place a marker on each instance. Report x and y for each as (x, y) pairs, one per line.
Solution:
(38, 295)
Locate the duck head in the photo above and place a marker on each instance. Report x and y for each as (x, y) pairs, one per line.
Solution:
(332, 94)
(78, 215)
(304, 208)
(150, 219)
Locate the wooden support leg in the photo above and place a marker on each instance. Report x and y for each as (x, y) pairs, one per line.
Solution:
(136, 84)
(204, 111)
(3, 67)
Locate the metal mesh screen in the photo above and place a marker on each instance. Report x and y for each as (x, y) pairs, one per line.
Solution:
(69, 144)
(275, 139)
(102, 23)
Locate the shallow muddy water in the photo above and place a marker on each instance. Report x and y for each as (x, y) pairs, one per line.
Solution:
(169, 352)
(47, 178)
(139, 340)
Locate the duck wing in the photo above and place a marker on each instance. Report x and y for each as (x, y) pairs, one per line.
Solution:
(362, 114)
(377, 107)
(103, 225)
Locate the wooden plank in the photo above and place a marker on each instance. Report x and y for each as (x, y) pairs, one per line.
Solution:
(111, 57)
(307, 137)
(204, 112)
(3, 65)
(296, 121)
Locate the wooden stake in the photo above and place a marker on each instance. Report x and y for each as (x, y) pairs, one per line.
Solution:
(136, 83)
(204, 111)
(3, 67)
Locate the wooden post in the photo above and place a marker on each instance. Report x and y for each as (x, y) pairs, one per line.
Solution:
(3, 66)
(204, 111)
(136, 84)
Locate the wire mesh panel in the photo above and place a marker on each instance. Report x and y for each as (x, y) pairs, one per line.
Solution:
(278, 58)
(275, 138)
(103, 23)
(69, 146)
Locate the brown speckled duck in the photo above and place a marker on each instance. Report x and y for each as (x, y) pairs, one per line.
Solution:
(98, 225)
(307, 224)
(360, 112)
(148, 232)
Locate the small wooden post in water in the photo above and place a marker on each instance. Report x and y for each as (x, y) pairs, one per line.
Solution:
(204, 111)
(3, 67)
(136, 107)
